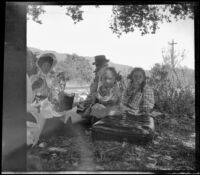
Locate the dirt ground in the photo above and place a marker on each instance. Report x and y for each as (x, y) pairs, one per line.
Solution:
(173, 148)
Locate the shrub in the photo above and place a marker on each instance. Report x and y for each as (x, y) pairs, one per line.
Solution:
(76, 68)
(168, 97)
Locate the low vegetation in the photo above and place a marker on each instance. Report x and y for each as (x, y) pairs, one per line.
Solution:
(173, 147)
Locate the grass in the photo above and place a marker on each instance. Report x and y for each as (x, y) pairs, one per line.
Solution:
(168, 151)
(171, 149)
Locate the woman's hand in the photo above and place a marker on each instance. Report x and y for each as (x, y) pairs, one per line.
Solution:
(126, 109)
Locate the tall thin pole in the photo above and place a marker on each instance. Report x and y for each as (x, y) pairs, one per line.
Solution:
(172, 53)
(173, 61)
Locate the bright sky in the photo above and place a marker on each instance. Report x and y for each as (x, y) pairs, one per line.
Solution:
(92, 36)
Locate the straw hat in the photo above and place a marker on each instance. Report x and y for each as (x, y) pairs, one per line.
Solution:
(46, 57)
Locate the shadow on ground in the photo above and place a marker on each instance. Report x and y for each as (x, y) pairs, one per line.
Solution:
(172, 149)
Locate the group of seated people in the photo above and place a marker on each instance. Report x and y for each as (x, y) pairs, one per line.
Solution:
(108, 95)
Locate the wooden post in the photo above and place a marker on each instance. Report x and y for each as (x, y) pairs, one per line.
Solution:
(172, 53)
(14, 89)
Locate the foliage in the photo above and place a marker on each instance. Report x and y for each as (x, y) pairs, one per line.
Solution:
(127, 18)
(75, 13)
(170, 98)
(31, 63)
(76, 68)
(173, 147)
(80, 68)
(174, 94)
(35, 11)
(175, 61)
(173, 85)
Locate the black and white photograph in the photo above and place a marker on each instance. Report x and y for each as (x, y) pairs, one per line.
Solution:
(103, 88)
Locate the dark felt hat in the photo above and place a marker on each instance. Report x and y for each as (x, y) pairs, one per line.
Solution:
(100, 59)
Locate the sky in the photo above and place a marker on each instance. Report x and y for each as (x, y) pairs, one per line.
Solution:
(92, 36)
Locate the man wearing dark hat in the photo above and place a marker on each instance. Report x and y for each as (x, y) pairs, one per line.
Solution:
(101, 63)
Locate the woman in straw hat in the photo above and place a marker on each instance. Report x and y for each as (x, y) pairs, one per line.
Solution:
(38, 92)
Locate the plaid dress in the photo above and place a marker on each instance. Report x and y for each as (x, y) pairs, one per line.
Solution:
(137, 100)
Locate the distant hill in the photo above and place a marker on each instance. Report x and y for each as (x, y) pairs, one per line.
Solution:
(124, 69)
(80, 68)
(59, 56)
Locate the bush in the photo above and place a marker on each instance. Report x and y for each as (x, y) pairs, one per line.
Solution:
(76, 68)
(168, 97)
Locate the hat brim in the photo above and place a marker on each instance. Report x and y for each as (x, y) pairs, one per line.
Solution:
(50, 56)
(106, 60)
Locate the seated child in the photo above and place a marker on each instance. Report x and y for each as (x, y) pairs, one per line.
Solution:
(138, 97)
(108, 95)
(104, 102)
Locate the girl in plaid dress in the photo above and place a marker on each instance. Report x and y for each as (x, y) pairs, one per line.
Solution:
(138, 97)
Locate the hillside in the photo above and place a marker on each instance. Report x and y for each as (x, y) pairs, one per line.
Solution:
(79, 69)
(62, 57)
(59, 56)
